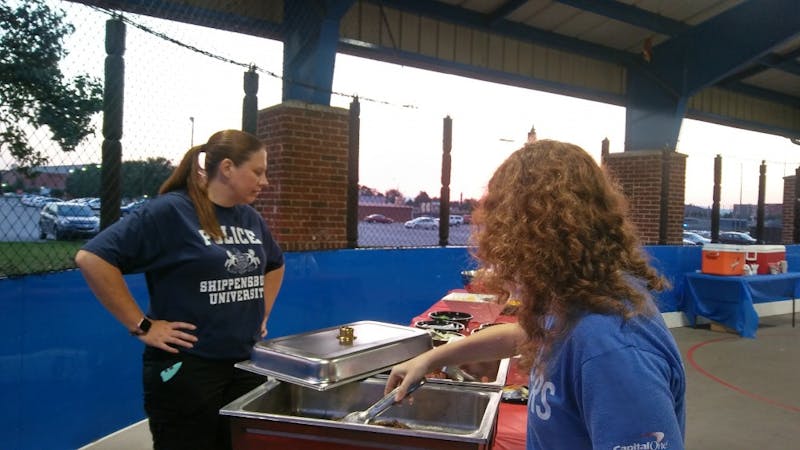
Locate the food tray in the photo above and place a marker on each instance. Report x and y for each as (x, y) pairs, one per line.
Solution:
(483, 307)
(319, 360)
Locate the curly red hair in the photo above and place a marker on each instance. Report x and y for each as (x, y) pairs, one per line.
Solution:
(553, 230)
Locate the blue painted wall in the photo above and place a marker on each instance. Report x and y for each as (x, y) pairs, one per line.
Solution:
(70, 374)
(324, 289)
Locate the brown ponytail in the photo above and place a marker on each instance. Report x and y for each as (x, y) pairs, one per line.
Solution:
(235, 145)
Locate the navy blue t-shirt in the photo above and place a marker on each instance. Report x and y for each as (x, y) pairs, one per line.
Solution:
(217, 285)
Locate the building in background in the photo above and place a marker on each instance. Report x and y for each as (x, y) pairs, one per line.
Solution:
(43, 180)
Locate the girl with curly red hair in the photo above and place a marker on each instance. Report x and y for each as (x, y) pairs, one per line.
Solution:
(605, 372)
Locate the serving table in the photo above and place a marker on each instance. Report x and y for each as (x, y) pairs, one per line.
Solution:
(729, 300)
(512, 418)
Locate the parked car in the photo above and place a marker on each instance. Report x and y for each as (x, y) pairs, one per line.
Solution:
(92, 202)
(64, 220)
(736, 237)
(28, 199)
(377, 218)
(124, 210)
(427, 223)
(37, 201)
(41, 201)
(690, 238)
(456, 220)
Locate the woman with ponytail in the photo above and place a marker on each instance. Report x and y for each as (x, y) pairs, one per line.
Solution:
(213, 271)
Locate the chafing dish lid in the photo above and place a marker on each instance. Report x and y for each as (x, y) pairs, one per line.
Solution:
(326, 358)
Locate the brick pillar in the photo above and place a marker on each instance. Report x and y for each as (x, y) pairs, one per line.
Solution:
(305, 203)
(787, 216)
(639, 175)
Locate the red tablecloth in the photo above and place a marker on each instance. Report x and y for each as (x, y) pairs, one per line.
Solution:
(512, 418)
(511, 422)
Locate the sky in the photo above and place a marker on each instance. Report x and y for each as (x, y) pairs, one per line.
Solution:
(175, 96)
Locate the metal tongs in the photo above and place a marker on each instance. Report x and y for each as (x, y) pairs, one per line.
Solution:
(458, 374)
(364, 417)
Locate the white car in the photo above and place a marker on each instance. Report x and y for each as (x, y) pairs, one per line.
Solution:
(690, 238)
(456, 220)
(38, 202)
(424, 222)
(29, 199)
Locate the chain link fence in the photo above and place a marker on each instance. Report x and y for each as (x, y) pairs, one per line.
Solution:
(740, 179)
(181, 84)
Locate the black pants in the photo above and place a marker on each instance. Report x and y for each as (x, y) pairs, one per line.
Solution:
(183, 395)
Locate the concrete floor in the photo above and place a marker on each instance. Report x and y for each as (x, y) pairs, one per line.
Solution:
(741, 393)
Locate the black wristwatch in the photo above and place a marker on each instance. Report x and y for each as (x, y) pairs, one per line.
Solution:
(143, 327)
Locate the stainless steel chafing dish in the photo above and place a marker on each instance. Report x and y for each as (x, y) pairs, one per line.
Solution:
(291, 416)
(317, 378)
(330, 357)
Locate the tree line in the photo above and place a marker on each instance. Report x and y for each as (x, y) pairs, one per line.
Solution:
(420, 199)
(139, 179)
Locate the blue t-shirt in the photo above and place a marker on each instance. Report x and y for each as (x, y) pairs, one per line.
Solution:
(613, 385)
(217, 285)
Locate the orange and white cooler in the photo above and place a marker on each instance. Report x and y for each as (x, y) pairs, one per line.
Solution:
(724, 259)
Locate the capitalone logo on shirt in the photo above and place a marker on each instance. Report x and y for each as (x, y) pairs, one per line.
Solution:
(656, 444)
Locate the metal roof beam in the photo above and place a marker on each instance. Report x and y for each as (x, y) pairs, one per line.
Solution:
(466, 70)
(777, 61)
(478, 21)
(653, 113)
(761, 93)
(309, 48)
(664, 25)
(503, 11)
(630, 15)
(785, 63)
(700, 57)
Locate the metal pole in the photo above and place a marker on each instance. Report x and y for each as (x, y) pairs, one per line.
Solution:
(250, 102)
(741, 182)
(663, 219)
(604, 150)
(191, 138)
(444, 198)
(716, 194)
(796, 210)
(762, 183)
(352, 173)
(113, 100)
